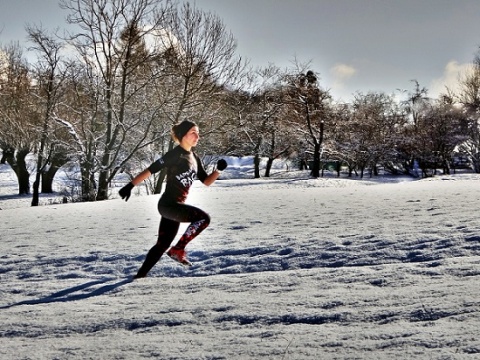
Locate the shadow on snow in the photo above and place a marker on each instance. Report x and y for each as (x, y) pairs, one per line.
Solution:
(87, 290)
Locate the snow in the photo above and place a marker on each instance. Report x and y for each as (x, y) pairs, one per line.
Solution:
(290, 268)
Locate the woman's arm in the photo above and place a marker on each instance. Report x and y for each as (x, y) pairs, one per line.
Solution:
(145, 174)
(126, 191)
(210, 179)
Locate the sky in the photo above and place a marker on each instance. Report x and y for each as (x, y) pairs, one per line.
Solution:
(354, 45)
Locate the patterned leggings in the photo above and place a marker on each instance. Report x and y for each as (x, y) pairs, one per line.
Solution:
(172, 215)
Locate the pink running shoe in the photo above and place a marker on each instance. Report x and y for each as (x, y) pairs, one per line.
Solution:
(179, 255)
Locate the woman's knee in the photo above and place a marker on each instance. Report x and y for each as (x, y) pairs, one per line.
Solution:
(201, 216)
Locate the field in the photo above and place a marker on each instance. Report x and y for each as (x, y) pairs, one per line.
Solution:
(290, 268)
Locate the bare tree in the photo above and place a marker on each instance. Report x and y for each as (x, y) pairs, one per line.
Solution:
(263, 130)
(48, 79)
(416, 102)
(439, 131)
(116, 67)
(200, 68)
(469, 97)
(340, 140)
(17, 139)
(310, 105)
(376, 120)
(201, 56)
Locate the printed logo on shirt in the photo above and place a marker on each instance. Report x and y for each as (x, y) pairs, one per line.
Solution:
(187, 178)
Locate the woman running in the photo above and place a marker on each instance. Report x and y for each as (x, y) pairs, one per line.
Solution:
(182, 165)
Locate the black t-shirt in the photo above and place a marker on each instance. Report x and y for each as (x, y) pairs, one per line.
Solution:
(182, 166)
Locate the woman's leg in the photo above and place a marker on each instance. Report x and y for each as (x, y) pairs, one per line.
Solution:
(172, 216)
(166, 233)
(198, 219)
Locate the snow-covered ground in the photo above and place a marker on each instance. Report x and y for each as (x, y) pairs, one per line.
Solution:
(290, 268)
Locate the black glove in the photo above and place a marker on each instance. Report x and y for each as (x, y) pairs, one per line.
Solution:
(126, 191)
(221, 164)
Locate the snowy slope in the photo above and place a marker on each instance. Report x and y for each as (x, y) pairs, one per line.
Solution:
(288, 269)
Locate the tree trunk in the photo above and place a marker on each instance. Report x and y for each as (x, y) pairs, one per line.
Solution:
(476, 163)
(256, 163)
(102, 193)
(23, 181)
(36, 185)
(88, 184)
(47, 179)
(317, 150)
(338, 167)
(104, 173)
(19, 166)
(303, 165)
(269, 166)
(316, 160)
(7, 153)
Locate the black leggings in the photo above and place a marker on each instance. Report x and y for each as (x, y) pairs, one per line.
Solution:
(172, 215)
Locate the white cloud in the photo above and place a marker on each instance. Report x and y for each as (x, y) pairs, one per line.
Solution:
(452, 72)
(340, 74)
(342, 71)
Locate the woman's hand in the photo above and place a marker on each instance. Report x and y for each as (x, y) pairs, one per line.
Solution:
(126, 191)
(221, 165)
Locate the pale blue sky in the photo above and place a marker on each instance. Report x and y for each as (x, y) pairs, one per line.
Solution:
(355, 45)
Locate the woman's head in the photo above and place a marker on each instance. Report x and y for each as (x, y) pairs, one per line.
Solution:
(181, 129)
(186, 132)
